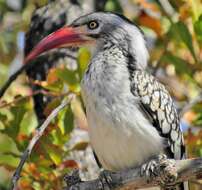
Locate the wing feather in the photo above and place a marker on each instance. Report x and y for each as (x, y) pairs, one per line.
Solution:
(159, 107)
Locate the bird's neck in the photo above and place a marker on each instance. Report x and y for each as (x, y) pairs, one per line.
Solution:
(115, 57)
(109, 70)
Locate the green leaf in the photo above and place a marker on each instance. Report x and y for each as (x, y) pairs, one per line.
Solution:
(198, 120)
(7, 145)
(36, 185)
(3, 117)
(28, 123)
(18, 113)
(81, 145)
(59, 138)
(9, 161)
(113, 5)
(182, 32)
(198, 28)
(56, 86)
(181, 65)
(13, 127)
(83, 61)
(196, 7)
(44, 166)
(67, 76)
(66, 120)
(55, 153)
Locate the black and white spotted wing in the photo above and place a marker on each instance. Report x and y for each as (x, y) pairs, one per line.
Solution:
(157, 104)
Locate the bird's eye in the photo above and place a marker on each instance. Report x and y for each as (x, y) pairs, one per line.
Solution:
(93, 25)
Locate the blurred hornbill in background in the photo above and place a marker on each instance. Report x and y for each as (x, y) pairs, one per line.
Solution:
(44, 21)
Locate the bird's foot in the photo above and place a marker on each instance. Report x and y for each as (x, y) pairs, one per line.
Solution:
(167, 173)
(106, 181)
(162, 169)
(149, 169)
(73, 178)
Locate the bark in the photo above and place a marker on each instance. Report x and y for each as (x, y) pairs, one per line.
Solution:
(179, 170)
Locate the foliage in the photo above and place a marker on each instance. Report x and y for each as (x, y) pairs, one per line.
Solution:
(174, 32)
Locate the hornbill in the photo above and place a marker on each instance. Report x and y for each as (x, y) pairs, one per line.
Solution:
(131, 116)
(44, 21)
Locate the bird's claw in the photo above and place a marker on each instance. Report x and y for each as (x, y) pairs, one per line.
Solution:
(148, 170)
(162, 169)
(72, 179)
(106, 179)
(167, 173)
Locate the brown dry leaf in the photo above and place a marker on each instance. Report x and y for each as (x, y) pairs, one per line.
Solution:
(25, 184)
(52, 76)
(69, 164)
(52, 177)
(79, 114)
(51, 106)
(150, 22)
(22, 137)
(50, 128)
(38, 148)
(40, 83)
(81, 145)
(190, 116)
(193, 143)
(147, 5)
(32, 168)
(184, 11)
(191, 138)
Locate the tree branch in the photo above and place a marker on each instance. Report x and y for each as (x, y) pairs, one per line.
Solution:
(23, 68)
(36, 137)
(184, 170)
(4, 104)
(14, 77)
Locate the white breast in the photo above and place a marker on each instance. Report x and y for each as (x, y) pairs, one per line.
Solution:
(121, 137)
(120, 134)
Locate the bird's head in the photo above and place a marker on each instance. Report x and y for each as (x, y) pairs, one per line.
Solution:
(97, 29)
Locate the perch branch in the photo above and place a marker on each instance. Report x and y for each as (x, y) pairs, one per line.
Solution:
(187, 169)
(36, 137)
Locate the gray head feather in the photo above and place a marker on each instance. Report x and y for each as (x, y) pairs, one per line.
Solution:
(119, 30)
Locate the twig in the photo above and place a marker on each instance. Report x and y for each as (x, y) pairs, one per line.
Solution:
(6, 104)
(23, 68)
(189, 105)
(44, 92)
(187, 169)
(38, 134)
(13, 77)
(167, 7)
